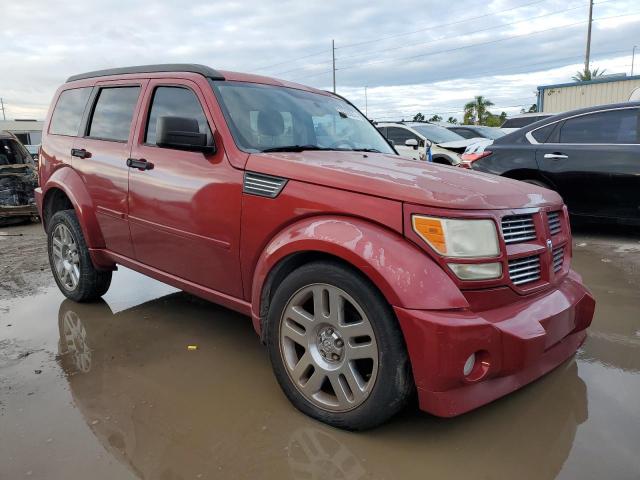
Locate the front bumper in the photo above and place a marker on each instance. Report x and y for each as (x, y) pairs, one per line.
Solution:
(514, 344)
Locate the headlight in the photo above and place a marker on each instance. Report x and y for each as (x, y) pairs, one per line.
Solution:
(476, 271)
(458, 238)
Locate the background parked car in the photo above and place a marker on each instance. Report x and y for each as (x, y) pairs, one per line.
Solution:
(475, 131)
(590, 156)
(18, 180)
(412, 139)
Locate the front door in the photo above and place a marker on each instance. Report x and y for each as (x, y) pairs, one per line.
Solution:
(184, 213)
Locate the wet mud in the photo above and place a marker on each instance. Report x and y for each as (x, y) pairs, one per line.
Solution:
(112, 390)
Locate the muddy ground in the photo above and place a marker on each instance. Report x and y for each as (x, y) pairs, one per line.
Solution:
(111, 391)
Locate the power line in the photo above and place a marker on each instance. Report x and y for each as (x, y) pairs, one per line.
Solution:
(446, 37)
(349, 45)
(471, 45)
(431, 27)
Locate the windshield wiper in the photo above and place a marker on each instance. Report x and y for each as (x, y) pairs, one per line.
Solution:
(295, 148)
(371, 150)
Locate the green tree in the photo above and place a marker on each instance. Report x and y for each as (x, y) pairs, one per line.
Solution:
(492, 120)
(476, 112)
(418, 117)
(435, 118)
(452, 120)
(533, 108)
(586, 74)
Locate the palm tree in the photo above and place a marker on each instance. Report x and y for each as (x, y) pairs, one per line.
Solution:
(476, 111)
(586, 74)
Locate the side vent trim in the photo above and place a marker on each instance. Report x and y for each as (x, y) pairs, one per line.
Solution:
(263, 185)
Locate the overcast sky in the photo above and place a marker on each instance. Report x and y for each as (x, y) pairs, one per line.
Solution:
(414, 55)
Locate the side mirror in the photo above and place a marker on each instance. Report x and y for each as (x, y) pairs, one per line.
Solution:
(411, 142)
(181, 133)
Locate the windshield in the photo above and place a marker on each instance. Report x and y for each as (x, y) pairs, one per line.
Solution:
(270, 118)
(437, 134)
(12, 152)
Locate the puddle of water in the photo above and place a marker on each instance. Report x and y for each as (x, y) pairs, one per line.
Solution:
(120, 395)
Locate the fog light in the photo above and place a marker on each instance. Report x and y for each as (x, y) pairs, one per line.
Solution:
(469, 364)
(476, 271)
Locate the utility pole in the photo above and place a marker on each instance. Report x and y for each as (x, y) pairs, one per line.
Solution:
(586, 58)
(333, 57)
(633, 58)
(365, 102)
(4, 117)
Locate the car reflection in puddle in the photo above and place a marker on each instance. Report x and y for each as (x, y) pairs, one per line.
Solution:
(169, 412)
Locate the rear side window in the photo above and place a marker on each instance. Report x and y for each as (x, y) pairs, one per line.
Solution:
(113, 113)
(175, 102)
(613, 126)
(542, 134)
(67, 114)
(463, 132)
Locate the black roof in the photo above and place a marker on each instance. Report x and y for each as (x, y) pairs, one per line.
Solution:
(167, 67)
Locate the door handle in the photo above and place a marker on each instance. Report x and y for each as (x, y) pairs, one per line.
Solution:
(140, 164)
(80, 153)
(556, 156)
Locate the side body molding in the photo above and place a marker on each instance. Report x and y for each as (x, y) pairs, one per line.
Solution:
(405, 275)
(69, 181)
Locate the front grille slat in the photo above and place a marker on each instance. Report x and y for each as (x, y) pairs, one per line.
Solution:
(553, 220)
(558, 259)
(518, 228)
(524, 270)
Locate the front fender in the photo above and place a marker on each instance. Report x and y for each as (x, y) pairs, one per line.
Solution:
(68, 180)
(404, 274)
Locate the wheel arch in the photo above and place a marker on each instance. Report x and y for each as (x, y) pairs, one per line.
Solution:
(383, 257)
(64, 190)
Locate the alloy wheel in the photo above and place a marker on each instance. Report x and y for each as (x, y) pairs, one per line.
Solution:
(66, 258)
(328, 347)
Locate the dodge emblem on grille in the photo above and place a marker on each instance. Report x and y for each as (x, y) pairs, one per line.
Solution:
(549, 245)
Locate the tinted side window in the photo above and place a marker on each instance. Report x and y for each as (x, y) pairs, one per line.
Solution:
(399, 135)
(175, 102)
(614, 126)
(463, 132)
(542, 134)
(113, 113)
(67, 113)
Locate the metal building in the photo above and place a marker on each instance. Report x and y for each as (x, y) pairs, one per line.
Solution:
(29, 132)
(569, 96)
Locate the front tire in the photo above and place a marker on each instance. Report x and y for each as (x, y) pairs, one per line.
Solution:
(70, 261)
(336, 348)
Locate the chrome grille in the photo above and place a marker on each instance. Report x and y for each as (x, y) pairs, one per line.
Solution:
(554, 222)
(518, 228)
(524, 270)
(263, 185)
(558, 258)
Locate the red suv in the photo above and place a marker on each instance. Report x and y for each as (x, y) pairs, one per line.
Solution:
(369, 277)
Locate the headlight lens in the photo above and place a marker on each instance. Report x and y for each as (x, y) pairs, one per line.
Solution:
(456, 238)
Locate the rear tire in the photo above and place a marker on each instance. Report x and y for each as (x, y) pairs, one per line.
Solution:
(70, 261)
(336, 348)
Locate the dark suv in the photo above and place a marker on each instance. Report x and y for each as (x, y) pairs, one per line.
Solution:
(369, 277)
(591, 157)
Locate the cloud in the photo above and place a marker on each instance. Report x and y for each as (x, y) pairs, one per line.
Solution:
(413, 55)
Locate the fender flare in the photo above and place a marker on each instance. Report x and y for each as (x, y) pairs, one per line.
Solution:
(69, 181)
(405, 275)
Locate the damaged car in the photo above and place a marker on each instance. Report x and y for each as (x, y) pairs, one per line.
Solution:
(18, 181)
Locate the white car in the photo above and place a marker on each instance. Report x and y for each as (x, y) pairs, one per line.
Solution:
(413, 140)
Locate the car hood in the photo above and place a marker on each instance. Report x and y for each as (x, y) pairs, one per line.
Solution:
(457, 144)
(391, 176)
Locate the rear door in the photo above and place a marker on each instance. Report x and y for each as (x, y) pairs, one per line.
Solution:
(100, 157)
(594, 162)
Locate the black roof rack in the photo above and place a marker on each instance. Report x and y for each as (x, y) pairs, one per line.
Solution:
(168, 67)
